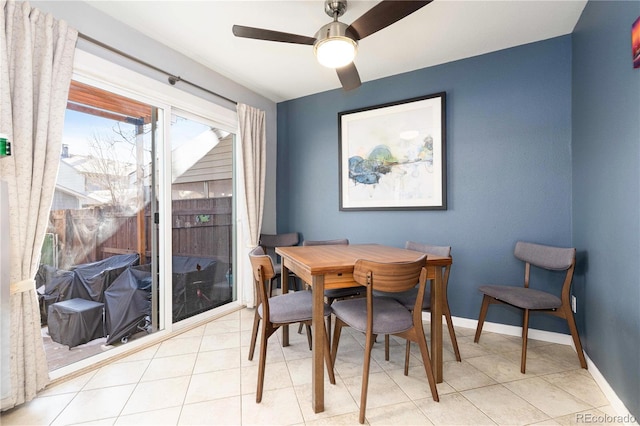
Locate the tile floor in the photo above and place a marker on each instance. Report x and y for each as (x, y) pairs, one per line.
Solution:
(203, 377)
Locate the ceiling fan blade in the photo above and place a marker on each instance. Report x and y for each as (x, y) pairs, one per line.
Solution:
(349, 77)
(261, 34)
(382, 15)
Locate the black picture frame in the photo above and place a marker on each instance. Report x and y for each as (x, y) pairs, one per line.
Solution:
(392, 156)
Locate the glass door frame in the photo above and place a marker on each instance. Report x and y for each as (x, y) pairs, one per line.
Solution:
(103, 74)
(201, 120)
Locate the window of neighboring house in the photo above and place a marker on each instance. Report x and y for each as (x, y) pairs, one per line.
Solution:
(190, 190)
(220, 188)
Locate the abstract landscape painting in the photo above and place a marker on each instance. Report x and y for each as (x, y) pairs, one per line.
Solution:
(392, 156)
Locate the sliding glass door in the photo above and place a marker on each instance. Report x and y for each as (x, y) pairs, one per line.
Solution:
(201, 215)
(141, 239)
(98, 283)
(141, 233)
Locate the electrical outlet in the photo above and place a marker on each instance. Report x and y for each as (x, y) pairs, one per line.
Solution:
(574, 304)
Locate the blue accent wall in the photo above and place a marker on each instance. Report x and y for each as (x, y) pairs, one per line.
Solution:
(508, 161)
(606, 192)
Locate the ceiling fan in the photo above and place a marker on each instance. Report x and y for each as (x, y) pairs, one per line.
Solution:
(335, 44)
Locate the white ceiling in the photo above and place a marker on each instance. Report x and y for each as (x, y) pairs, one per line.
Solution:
(443, 31)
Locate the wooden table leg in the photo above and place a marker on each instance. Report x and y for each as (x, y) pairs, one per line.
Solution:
(436, 324)
(317, 369)
(284, 285)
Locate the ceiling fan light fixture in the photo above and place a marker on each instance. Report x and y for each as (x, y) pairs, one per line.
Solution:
(336, 52)
(333, 47)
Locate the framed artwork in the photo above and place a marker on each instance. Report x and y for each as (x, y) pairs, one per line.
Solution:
(635, 43)
(392, 156)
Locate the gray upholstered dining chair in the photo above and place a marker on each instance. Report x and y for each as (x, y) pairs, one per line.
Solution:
(558, 259)
(382, 315)
(269, 242)
(408, 298)
(335, 293)
(274, 312)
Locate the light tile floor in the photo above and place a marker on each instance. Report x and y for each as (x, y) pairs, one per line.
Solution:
(203, 377)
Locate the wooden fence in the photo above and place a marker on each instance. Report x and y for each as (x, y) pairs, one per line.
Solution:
(200, 228)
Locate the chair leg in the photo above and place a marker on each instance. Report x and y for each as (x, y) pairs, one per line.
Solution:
(330, 300)
(309, 336)
(452, 332)
(386, 347)
(300, 328)
(336, 339)
(406, 358)
(293, 278)
(261, 365)
(426, 360)
(327, 359)
(525, 332)
(571, 322)
(481, 317)
(365, 376)
(254, 334)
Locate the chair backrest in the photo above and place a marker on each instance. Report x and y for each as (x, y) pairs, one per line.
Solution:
(550, 258)
(341, 242)
(269, 242)
(263, 271)
(437, 251)
(258, 259)
(426, 248)
(391, 277)
(547, 257)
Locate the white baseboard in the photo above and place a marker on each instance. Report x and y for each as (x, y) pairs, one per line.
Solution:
(552, 337)
(625, 416)
(509, 330)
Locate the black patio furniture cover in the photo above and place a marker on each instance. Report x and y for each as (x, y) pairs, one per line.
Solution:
(190, 274)
(76, 321)
(92, 279)
(128, 303)
(52, 285)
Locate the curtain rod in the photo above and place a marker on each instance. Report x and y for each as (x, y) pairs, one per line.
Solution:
(173, 79)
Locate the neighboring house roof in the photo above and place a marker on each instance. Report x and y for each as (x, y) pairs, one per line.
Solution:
(103, 196)
(192, 151)
(84, 198)
(93, 165)
(208, 156)
(197, 166)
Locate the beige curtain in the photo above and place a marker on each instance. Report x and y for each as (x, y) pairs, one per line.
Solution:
(36, 60)
(253, 139)
(253, 142)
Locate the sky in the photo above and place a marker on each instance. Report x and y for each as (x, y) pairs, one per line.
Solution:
(79, 129)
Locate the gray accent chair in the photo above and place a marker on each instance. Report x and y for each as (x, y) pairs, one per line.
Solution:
(274, 312)
(408, 298)
(561, 260)
(382, 315)
(269, 242)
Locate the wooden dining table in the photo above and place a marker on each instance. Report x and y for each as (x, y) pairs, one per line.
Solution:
(331, 266)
